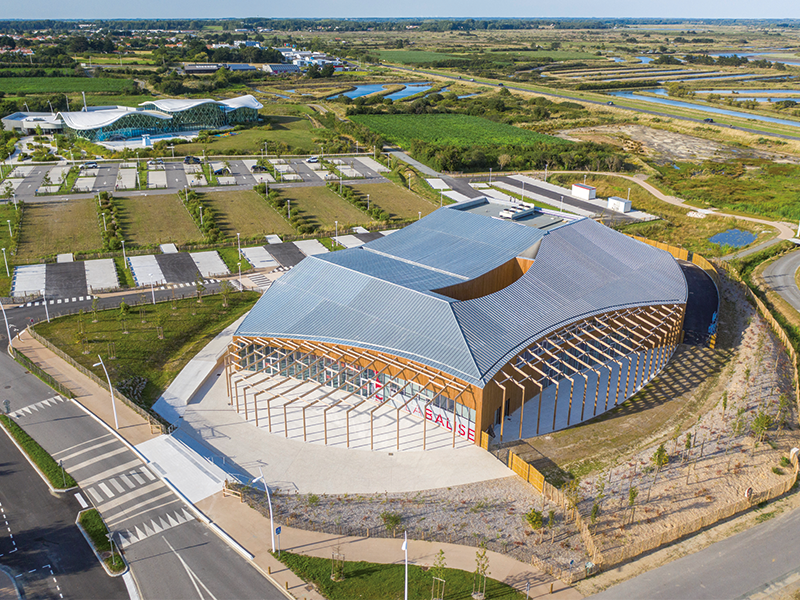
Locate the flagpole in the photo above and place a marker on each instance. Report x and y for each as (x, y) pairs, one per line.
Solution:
(405, 549)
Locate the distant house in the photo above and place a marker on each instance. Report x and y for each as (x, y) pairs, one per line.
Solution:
(281, 69)
(201, 68)
(240, 67)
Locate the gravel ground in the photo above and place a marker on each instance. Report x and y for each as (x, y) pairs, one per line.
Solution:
(491, 512)
(721, 463)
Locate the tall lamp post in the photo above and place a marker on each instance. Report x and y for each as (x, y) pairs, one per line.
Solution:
(8, 330)
(152, 288)
(124, 258)
(8, 274)
(240, 276)
(269, 502)
(336, 236)
(9, 228)
(110, 389)
(46, 311)
(239, 244)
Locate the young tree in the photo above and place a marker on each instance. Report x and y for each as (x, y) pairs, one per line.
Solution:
(481, 573)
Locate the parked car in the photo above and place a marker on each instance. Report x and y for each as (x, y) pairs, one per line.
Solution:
(191, 160)
(312, 159)
(259, 169)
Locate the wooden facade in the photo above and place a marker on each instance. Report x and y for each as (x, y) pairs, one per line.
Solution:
(647, 335)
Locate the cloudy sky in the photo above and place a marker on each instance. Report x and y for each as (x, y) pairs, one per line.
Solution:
(101, 9)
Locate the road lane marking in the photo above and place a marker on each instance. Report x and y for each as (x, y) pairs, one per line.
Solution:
(192, 576)
(117, 486)
(81, 501)
(62, 456)
(106, 490)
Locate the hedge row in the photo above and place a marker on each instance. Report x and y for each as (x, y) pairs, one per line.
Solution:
(39, 455)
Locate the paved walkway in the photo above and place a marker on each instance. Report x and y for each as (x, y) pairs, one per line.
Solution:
(786, 231)
(90, 395)
(237, 518)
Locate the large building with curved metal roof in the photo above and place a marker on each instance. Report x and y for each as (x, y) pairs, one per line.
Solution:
(481, 317)
(155, 117)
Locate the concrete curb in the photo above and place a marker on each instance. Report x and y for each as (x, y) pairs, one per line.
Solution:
(36, 467)
(109, 572)
(13, 581)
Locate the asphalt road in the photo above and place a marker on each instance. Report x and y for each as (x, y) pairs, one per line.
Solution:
(39, 542)
(131, 499)
(780, 277)
(763, 557)
(702, 304)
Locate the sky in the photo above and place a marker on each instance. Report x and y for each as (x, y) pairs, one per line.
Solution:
(105, 9)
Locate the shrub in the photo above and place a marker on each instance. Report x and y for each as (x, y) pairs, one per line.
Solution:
(38, 455)
(534, 518)
(391, 520)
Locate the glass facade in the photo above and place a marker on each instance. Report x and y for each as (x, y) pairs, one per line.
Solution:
(378, 387)
(208, 115)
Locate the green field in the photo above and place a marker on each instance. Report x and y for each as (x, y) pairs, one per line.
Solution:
(395, 200)
(454, 130)
(158, 219)
(54, 85)
(50, 228)
(761, 188)
(245, 212)
(295, 131)
(373, 581)
(187, 327)
(411, 57)
(323, 207)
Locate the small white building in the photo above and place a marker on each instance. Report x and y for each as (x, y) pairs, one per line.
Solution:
(583, 191)
(618, 204)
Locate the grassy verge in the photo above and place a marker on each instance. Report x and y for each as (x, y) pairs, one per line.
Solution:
(58, 478)
(96, 529)
(123, 273)
(186, 324)
(69, 180)
(372, 581)
(230, 256)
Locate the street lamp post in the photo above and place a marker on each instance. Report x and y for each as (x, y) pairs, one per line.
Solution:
(367, 202)
(490, 175)
(240, 275)
(124, 258)
(336, 236)
(9, 228)
(105, 227)
(46, 310)
(269, 502)
(201, 215)
(152, 288)
(110, 389)
(5, 258)
(172, 147)
(239, 244)
(419, 215)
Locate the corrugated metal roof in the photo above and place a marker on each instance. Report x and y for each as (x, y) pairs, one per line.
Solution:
(372, 300)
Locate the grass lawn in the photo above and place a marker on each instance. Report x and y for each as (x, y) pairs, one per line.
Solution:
(245, 212)
(372, 581)
(50, 228)
(675, 227)
(293, 129)
(156, 220)
(323, 207)
(109, 100)
(187, 329)
(395, 200)
(6, 214)
(55, 85)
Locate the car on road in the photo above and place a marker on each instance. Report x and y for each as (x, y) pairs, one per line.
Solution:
(709, 120)
(610, 103)
(191, 160)
(259, 169)
(312, 159)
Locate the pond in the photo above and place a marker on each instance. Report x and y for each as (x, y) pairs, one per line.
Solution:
(361, 90)
(705, 109)
(645, 59)
(409, 90)
(735, 238)
(770, 56)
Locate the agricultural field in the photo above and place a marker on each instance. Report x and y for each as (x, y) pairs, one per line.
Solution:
(55, 85)
(244, 212)
(395, 200)
(323, 207)
(147, 220)
(50, 228)
(411, 57)
(455, 130)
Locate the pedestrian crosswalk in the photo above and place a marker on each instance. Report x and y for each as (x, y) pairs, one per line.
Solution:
(57, 301)
(31, 408)
(262, 281)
